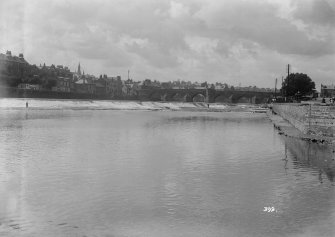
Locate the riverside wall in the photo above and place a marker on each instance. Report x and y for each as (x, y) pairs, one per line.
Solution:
(313, 119)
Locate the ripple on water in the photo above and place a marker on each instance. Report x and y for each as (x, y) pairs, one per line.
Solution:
(159, 174)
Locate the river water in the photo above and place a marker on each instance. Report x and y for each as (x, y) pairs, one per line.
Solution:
(159, 173)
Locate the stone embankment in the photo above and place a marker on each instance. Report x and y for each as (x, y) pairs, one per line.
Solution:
(312, 122)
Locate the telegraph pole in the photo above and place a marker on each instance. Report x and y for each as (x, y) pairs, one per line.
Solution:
(288, 78)
(276, 89)
(282, 83)
(207, 99)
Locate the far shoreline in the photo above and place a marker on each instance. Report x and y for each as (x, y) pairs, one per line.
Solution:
(89, 104)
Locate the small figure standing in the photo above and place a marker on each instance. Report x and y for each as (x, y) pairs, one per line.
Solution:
(27, 104)
(208, 105)
(323, 100)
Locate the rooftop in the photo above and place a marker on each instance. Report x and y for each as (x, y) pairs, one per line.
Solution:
(8, 57)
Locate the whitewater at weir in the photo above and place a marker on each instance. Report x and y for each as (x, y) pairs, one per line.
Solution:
(53, 104)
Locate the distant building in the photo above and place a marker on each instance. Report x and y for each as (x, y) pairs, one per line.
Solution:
(166, 85)
(175, 87)
(114, 86)
(100, 88)
(130, 88)
(327, 91)
(148, 84)
(219, 87)
(84, 86)
(63, 85)
(55, 71)
(13, 65)
(24, 86)
(27, 86)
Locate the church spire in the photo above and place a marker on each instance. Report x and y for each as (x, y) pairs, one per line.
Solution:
(79, 71)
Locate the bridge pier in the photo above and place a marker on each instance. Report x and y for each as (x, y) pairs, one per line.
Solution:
(163, 97)
(253, 100)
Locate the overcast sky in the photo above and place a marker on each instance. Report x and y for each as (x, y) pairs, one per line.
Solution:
(231, 41)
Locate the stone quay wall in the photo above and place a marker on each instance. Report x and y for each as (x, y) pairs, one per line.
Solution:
(311, 119)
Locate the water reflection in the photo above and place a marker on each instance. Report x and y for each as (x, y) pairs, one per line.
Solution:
(115, 173)
(312, 156)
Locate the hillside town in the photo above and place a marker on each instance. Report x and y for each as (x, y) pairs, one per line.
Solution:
(16, 72)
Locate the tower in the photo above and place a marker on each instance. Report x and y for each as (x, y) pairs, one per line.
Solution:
(79, 71)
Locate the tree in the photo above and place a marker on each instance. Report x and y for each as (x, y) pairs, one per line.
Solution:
(226, 87)
(297, 83)
(204, 84)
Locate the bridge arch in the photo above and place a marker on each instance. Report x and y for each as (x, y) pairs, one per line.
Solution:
(221, 98)
(179, 97)
(191, 95)
(244, 99)
(241, 99)
(164, 97)
(170, 95)
(199, 97)
(155, 96)
(264, 100)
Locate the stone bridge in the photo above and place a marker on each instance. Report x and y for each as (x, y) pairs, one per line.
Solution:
(201, 95)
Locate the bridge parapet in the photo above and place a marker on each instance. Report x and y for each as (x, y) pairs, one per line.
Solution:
(188, 95)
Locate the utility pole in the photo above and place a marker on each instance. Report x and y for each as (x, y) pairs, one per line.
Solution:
(276, 89)
(288, 78)
(309, 117)
(128, 74)
(282, 83)
(207, 99)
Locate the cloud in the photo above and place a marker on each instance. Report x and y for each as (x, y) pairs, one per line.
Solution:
(229, 41)
(319, 12)
(12, 24)
(261, 22)
(177, 9)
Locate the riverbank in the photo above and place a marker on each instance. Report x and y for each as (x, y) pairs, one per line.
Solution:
(287, 129)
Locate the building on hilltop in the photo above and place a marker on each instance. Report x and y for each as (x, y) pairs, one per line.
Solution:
(12, 66)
